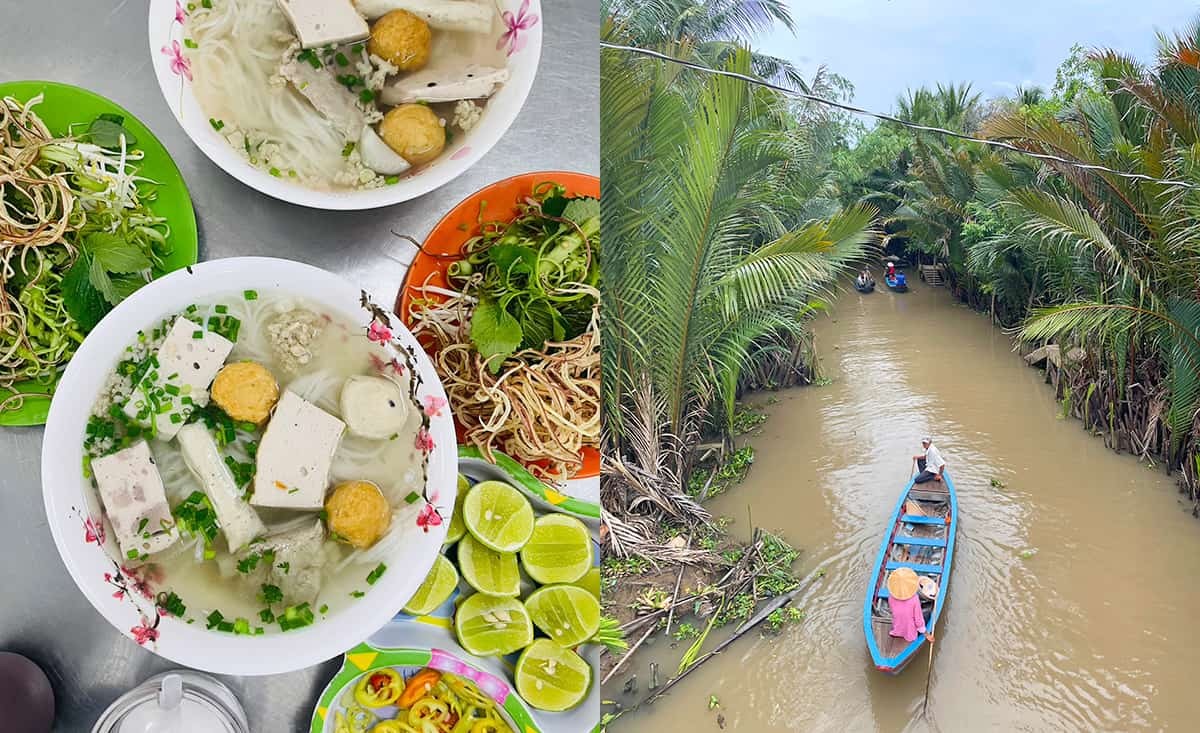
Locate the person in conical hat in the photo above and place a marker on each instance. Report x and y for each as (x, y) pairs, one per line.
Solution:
(908, 621)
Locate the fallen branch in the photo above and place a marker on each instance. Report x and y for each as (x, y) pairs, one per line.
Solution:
(627, 657)
(772, 606)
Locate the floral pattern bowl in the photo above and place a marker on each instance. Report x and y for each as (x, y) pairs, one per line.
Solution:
(519, 36)
(127, 596)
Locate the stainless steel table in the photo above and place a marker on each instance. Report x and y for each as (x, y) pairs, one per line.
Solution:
(102, 45)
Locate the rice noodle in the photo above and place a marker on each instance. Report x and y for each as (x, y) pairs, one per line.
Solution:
(239, 47)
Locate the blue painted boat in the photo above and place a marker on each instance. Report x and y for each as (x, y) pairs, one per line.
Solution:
(920, 535)
(897, 283)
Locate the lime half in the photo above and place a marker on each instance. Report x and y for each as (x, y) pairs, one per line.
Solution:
(437, 587)
(560, 550)
(498, 515)
(590, 582)
(551, 678)
(490, 626)
(457, 529)
(566, 613)
(488, 571)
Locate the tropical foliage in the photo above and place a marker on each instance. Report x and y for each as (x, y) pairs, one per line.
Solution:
(1080, 257)
(727, 231)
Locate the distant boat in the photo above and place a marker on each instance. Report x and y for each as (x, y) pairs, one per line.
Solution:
(864, 287)
(896, 282)
(920, 535)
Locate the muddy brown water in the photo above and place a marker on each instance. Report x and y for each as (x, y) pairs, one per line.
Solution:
(1074, 598)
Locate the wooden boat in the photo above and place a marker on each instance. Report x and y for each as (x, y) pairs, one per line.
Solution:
(864, 287)
(920, 535)
(895, 284)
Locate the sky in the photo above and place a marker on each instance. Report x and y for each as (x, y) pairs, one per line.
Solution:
(886, 46)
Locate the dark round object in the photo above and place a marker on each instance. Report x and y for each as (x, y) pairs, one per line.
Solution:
(26, 699)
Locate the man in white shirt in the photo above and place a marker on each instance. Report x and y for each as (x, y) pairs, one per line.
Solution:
(929, 463)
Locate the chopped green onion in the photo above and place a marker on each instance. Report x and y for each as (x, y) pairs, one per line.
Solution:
(412, 497)
(250, 295)
(376, 574)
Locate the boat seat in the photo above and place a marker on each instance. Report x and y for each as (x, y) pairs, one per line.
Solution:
(922, 541)
(917, 519)
(928, 569)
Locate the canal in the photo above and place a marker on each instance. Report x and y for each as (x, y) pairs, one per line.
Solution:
(1074, 593)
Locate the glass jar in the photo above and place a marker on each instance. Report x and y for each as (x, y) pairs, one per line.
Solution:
(181, 701)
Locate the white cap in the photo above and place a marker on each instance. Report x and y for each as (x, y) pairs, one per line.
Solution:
(927, 439)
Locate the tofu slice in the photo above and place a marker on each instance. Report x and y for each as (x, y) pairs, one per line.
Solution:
(186, 364)
(446, 15)
(131, 490)
(325, 22)
(326, 94)
(295, 455)
(445, 85)
(237, 519)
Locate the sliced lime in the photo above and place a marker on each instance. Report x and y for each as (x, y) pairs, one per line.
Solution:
(437, 587)
(590, 582)
(490, 626)
(498, 515)
(488, 571)
(457, 529)
(567, 614)
(560, 550)
(551, 678)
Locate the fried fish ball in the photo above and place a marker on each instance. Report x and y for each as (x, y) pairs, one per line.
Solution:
(402, 39)
(414, 131)
(358, 513)
(246, 391)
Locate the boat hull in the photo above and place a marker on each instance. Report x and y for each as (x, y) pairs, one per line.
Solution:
(925, 545)
(895, 286)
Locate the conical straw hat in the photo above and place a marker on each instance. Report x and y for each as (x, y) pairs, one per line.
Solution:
(902, 584)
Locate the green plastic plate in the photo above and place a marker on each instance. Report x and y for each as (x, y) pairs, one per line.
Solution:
(534, 487)
(63, 106)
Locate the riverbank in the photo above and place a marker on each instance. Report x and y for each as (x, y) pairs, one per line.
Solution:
(1084, 547)
(1126, 404)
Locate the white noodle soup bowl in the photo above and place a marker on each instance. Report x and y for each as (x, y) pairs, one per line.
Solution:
(520, 35)
(90, 553)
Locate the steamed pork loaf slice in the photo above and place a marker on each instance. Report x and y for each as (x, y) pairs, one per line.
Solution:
(131, 490)
(295, 455)
(328, 96)
(291, 560)
(472, 81)
(324, 22)
(472, 16)
(237, 519)
(187, 361)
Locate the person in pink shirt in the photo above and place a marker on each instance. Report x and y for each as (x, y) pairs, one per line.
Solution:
(907, 620)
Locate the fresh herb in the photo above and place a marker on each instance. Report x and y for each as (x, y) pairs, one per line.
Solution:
(357, 594)
(206, 4)
(250, 294)
(391, 180)
(340, 59)
(267, 616)
(285, 567)
(366, 96)
(192, 44)
(248, 563)
(241, 626)
(350, 81)
(171, 603)
(271, 594)
(347, 150)
(196, 516)
(376, 574)
(213, 619)
(324, 609)
(107, 130)
(295, 617)
(412, 497)
(526, 276)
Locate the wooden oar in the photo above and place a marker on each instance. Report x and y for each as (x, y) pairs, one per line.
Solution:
(928, 674)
